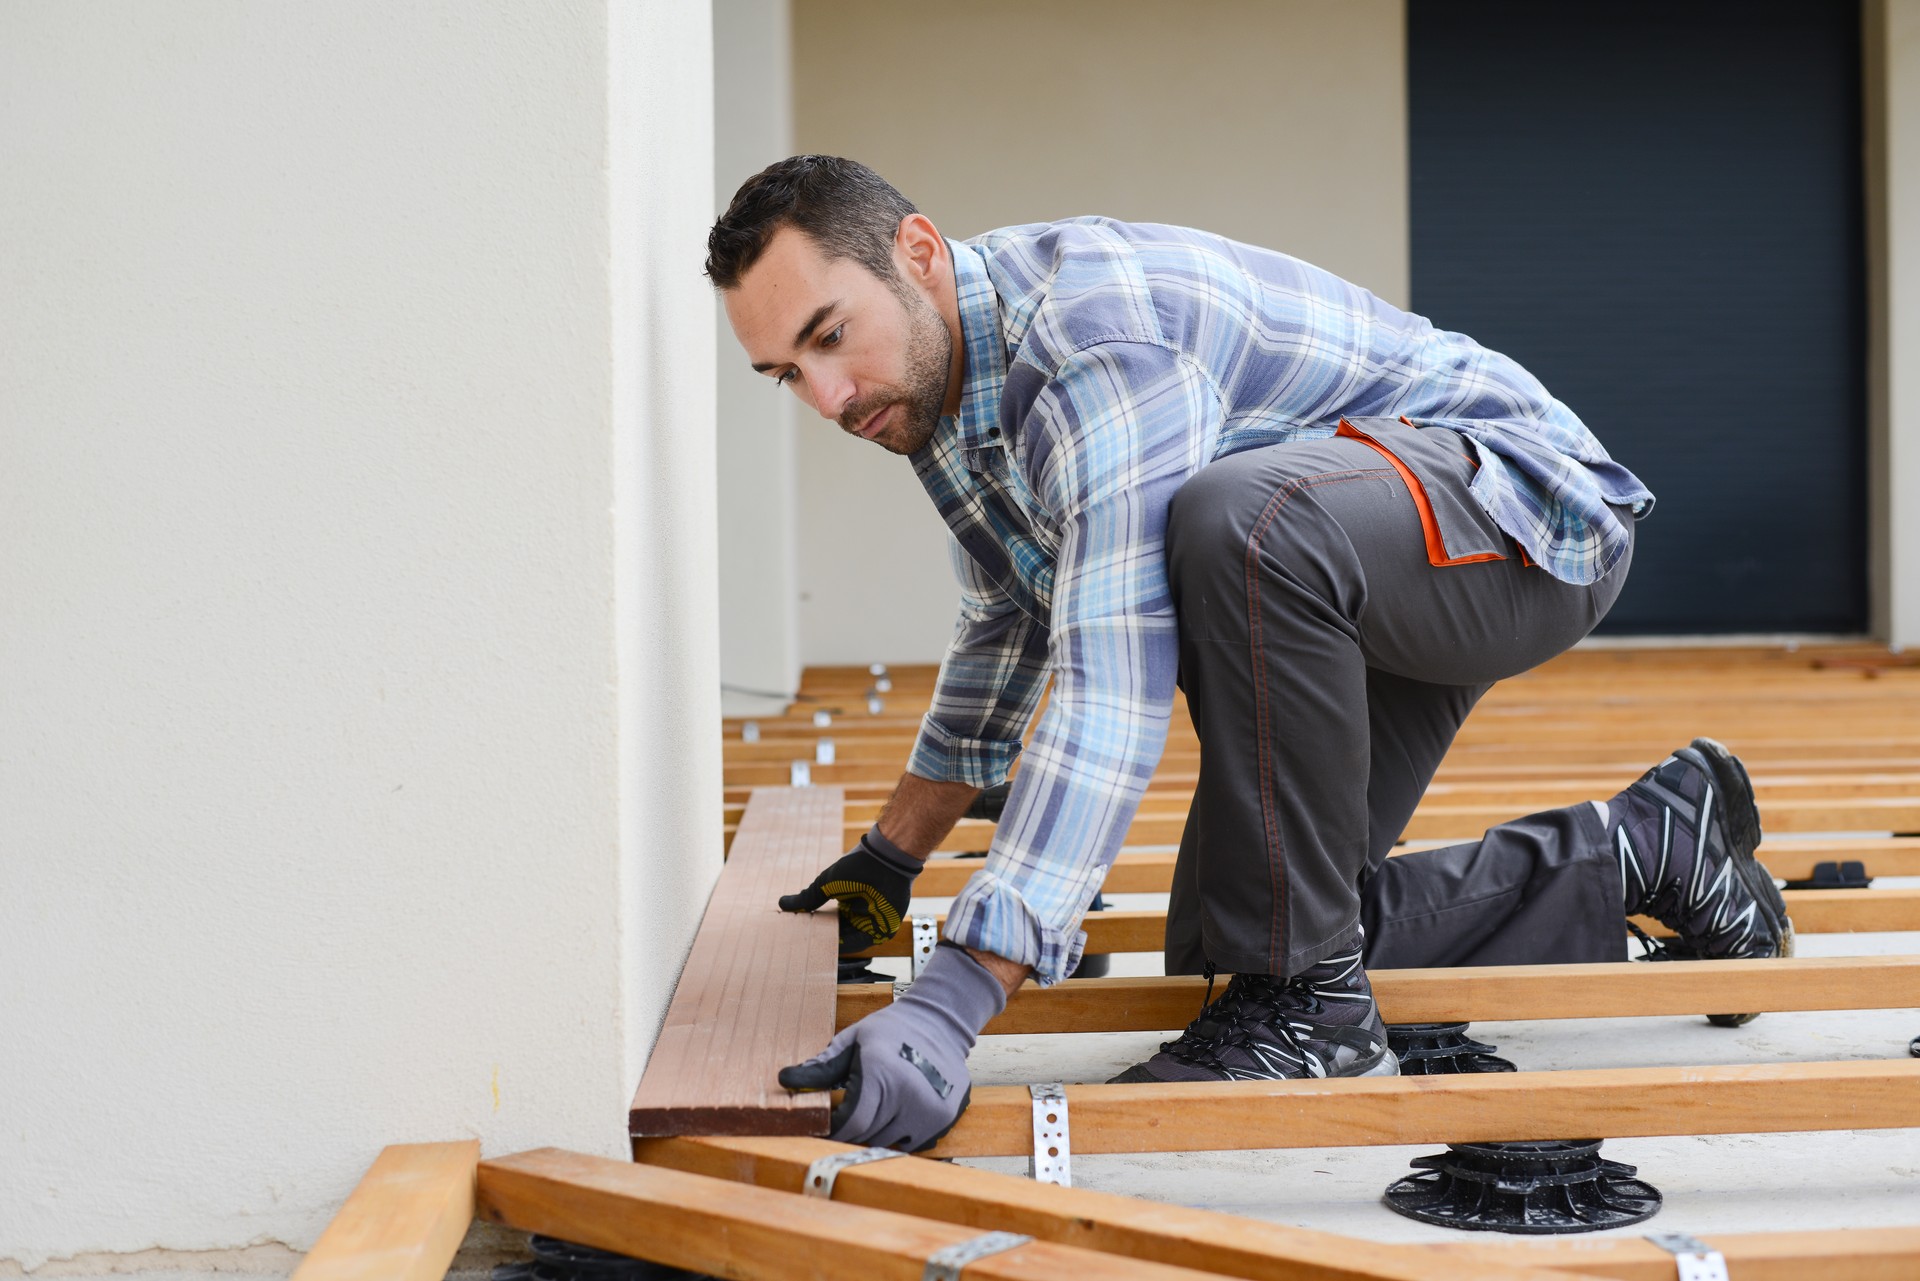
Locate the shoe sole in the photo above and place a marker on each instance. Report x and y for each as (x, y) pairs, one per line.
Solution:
(1741, 818)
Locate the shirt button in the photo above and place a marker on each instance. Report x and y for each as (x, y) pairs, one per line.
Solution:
(994, 432)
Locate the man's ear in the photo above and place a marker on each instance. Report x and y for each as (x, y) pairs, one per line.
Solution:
(919, 249)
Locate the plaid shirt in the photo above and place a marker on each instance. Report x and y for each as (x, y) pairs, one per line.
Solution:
(1106, 363)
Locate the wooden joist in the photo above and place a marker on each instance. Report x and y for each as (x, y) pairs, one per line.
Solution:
(404, 1221)
(757, 991)
(1493, 1107)
(984, 1200)
(1812, 912)
(1232, 1246)
(754, 1234)
(1143, 872)
(1850, 1254)
(1477, 994)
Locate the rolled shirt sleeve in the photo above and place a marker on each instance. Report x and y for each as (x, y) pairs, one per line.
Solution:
(1108, 440)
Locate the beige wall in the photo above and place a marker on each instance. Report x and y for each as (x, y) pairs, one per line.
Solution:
(1893, 164)
(1281, 122)
(759, 591)
(358, 765)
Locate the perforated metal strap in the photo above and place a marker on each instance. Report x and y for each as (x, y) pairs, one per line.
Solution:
(800, 774)
(822, 1173)
(823, 753)
(750, 732)
(926, 937)
(1697, 1260)
(1052, 1159)
(945, 1263)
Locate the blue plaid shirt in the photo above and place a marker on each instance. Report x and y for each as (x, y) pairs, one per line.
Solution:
(1107, 362)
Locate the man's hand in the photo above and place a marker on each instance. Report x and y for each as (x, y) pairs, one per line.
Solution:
(904, 1067)
(874, 884)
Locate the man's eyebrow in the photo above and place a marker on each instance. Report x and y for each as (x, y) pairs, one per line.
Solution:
(800, 339)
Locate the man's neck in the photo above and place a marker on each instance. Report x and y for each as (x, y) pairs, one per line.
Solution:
(947, 302)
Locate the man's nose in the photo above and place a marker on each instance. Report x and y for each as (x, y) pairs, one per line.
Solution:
(830, 394)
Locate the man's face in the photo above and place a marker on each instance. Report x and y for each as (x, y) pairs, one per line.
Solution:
(871, 357)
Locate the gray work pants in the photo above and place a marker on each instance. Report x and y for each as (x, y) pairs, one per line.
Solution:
(1342, 605)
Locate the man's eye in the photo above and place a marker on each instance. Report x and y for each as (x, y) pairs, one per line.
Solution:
(832, 338)
(782, 380)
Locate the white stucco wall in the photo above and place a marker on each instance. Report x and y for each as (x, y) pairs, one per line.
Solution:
(1281, 122)
(759, 590)
(356, 764)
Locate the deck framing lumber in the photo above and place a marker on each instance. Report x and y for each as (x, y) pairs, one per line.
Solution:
(754, 1234)
(1470, 994)
(404, 1221)
(1767, 1098)
(983, 1200)
(1234, 1246)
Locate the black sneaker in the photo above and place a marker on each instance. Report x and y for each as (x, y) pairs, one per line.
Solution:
(1685, 835)
(1318, 1024)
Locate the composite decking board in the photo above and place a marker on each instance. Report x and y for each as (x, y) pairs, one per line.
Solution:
(757, 991)
(1224, 1244)
(1478, 993)
(1767, 1098)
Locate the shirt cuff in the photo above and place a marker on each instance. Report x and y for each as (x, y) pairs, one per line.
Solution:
(991, 916)
(950, 758)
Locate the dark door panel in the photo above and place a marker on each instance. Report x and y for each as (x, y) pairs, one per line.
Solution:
(1657, 208)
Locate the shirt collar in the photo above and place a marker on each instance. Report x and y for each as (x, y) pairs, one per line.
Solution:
(986, 373)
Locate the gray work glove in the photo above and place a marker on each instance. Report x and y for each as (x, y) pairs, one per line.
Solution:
(873, 882)
(905, 1067)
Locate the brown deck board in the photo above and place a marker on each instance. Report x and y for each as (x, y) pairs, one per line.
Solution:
(758, 988)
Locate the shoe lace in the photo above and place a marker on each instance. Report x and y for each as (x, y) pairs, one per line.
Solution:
(1251, 1001)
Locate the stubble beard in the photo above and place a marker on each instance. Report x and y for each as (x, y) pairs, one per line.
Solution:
(924, 390)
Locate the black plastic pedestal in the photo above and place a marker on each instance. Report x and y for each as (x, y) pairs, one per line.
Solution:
(1534, 1188)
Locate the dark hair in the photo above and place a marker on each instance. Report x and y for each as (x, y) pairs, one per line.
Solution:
(845, 208)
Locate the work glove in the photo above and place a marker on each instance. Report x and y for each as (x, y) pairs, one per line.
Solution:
(905, 1067)
(874, 883)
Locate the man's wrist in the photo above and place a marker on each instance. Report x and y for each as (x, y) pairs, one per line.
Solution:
(1010, 973)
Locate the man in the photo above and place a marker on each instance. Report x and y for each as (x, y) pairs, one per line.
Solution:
(1165, 456)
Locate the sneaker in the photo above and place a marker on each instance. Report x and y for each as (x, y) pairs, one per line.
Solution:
(1685, 835)
(1317, 1024)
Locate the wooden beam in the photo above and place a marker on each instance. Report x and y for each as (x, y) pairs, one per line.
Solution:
(1478, 993)
(1139, 872)
(757, 989)
(404, 1221)
(753, 1234)
(1580, 1104)
(1812, 912)
(983, 1200)
(1855, 1254)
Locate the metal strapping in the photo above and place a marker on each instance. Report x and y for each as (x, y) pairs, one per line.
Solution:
(900, 987)
(945, 1263)
(800, 774)
(926, 937)
(822, 1173)
(1697, 1260)
(823, 752)
(1052, 1159)
(822, 719)
(750, 732)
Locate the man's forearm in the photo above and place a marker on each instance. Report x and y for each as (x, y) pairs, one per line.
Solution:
(917, 817)
(920, 813)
